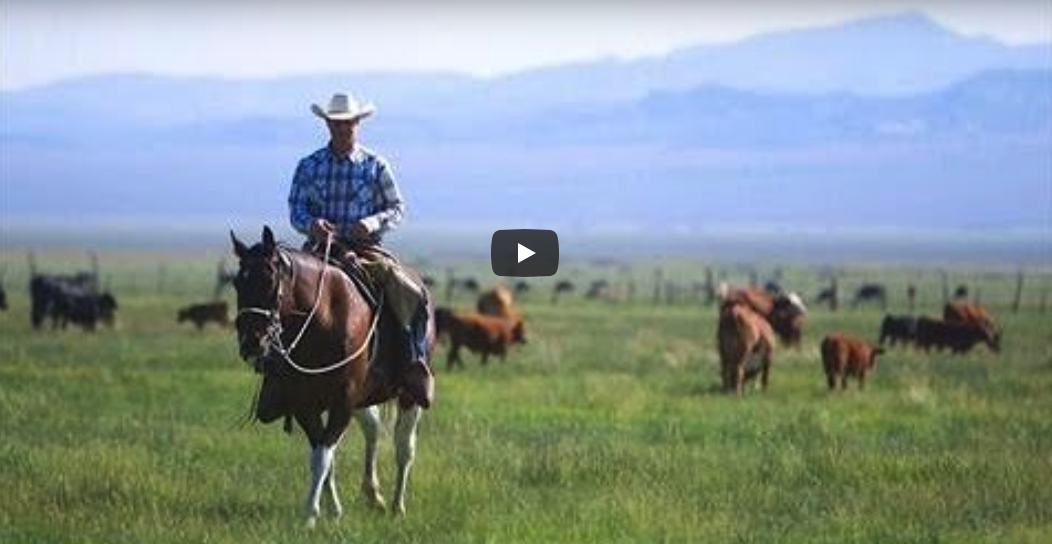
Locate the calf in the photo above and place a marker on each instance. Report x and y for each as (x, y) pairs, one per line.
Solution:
(899, 329)
(201, 314)
(958, 337)
(746, 342)
(482, 334)
(844, 356)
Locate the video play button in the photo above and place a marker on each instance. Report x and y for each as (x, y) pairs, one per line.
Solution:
(525, 252)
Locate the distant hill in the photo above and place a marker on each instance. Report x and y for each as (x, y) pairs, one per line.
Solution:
(884, 121)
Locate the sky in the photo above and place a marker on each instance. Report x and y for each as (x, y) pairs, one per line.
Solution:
(42, 41)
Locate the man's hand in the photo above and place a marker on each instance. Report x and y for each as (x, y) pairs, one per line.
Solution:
(358, 231)
(321, 229)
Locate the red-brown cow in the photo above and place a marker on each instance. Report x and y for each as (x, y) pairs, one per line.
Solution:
(746, 342)
(497, 302)
(969, 312)
(784, 312)
(482, 334)
(844, 355)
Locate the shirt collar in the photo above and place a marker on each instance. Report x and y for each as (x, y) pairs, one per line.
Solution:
(354, 155)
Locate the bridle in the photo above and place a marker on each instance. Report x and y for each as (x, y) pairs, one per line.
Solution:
(272, 342)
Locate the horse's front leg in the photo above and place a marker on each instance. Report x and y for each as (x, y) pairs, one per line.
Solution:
(323, 440)
(369, 421)
(405, 451)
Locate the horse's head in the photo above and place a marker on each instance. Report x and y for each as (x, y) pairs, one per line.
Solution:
(258, 285)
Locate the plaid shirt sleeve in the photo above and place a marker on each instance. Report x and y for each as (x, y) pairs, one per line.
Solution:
(388, 201)
(304, 201)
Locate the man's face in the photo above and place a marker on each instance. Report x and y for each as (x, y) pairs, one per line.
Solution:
(342, 132)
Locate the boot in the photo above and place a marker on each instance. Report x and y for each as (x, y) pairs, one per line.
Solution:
(418, 377)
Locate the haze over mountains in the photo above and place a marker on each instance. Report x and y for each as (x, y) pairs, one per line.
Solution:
(885, 122)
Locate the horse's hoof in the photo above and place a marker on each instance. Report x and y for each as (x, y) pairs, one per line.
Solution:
(376, 503)
(311, 523)
(373, 499)
(398, 511)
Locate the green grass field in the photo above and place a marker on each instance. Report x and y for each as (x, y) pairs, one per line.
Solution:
(605, 428)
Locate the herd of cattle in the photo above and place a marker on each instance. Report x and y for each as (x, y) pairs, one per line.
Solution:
(752, 322)
(750, 318)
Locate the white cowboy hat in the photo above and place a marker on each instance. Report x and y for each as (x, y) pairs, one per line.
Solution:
(343, 107)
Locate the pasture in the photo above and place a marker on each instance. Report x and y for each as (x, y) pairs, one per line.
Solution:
(606, 427)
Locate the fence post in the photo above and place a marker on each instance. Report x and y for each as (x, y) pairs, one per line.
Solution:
(1018, 292)
(659, 279)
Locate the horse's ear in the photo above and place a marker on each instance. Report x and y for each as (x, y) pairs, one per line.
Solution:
(268, 240)
(239, 248)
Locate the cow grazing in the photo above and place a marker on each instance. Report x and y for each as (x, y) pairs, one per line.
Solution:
(871, 292)
(746, 343)
(898, 329)
(521, 288)
(483, 334)
(497, 302)
(957, 337)
(844, 356)
(204, 313)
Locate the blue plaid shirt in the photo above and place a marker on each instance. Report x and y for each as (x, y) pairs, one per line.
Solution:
(357, 187)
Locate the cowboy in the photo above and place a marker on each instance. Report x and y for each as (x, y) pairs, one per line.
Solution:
(346, 194)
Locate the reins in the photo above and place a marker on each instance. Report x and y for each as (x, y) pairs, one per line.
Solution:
(274, 330)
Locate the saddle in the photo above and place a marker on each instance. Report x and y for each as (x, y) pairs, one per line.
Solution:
(388, 350)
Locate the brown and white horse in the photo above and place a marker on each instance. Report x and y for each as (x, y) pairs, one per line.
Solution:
(308, 330)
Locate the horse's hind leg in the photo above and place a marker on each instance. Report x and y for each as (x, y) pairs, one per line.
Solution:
(369, 421)
(405, 451)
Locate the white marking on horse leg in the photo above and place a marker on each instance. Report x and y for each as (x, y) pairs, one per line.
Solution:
(320, 465)
(369, 421)
(330, 483)
(405, 451)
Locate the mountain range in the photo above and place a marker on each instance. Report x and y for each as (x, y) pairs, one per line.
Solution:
(888, 121)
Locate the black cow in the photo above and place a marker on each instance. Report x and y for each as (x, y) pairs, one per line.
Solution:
(898, 329)
(871, 292)
(563, 286)
(3, 298)
(67, 299)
